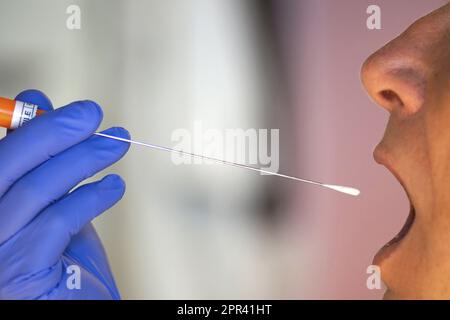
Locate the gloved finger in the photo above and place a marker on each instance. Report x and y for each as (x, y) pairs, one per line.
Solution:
(57, 176)
(55, 226)
(44, 137)
(86, 248)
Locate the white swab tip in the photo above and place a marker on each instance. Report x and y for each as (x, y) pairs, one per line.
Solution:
(347, 190)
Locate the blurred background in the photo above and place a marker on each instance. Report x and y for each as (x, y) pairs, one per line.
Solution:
(205, 231)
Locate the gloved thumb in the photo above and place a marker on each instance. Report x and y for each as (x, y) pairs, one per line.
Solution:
(36, 97)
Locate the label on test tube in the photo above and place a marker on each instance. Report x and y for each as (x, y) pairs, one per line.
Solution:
(23, 112)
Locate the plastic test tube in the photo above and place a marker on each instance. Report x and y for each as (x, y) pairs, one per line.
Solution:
(14, 113)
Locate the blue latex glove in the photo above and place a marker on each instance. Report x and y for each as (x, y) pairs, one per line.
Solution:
(45, 230)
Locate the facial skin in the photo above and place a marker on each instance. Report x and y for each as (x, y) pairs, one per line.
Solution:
(410, 78)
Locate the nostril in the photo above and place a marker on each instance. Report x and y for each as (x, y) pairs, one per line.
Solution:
(390, 99)
(388, 95)
(397, 82)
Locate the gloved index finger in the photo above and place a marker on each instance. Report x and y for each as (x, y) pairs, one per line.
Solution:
(44, 137)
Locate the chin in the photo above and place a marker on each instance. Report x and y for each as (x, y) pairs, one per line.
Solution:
(389, 295)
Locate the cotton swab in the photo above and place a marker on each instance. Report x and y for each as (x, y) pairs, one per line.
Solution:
(342, 189)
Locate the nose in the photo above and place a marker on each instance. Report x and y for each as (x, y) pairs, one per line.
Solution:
(395, 77)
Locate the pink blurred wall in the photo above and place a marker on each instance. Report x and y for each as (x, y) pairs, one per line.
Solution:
(325, 43)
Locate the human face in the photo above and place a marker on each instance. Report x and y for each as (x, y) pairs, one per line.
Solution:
(410, 78)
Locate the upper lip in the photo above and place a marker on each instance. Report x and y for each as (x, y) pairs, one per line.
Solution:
(380, 158)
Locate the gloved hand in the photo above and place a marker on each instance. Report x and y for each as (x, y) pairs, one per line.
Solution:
(45, 232)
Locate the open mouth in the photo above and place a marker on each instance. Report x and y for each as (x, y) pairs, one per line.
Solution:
(406, 227)
(388, 248)
(392, 245)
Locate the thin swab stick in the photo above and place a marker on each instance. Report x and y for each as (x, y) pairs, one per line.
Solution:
(342, 189)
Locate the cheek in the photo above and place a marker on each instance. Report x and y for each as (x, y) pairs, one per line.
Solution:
(437, 135)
